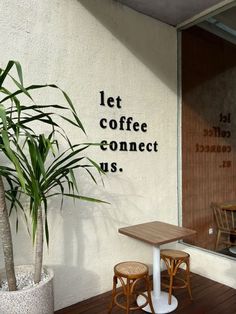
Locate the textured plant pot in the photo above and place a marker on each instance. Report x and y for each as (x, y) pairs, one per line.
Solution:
(35, 300)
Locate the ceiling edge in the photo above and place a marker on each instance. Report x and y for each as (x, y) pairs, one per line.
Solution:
(216, 9)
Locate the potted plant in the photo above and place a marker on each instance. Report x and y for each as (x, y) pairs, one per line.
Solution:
(37, 170)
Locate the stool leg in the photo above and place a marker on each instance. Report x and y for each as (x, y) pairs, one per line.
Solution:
(217, 240)
(113, 293)
(149, 294)
(171, 274)
(128, 296)
(188, 278)
(170, 288)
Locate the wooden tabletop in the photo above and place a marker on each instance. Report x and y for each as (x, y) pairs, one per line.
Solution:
(157, 232)
(230, 205)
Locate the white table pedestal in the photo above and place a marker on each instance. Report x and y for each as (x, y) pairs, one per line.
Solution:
(232, 249)
(159, 298)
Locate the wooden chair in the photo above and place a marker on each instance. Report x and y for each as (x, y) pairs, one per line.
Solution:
(129, 274)
(225, 216)
(173, 260)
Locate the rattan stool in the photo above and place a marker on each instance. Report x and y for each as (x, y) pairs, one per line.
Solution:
(173, 259)
(129, 273)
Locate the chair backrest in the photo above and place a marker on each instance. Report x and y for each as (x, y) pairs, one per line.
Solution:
(225, 215)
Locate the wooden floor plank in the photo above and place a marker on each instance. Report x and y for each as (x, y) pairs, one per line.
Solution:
(210, 297)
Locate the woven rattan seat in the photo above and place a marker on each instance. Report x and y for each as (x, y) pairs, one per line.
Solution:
(130, 269)
(173, 260)
(129, 274)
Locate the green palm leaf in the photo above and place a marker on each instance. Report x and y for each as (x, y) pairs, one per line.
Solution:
(37, 169)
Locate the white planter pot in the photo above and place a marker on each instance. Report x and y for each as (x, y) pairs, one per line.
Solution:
(35, 300)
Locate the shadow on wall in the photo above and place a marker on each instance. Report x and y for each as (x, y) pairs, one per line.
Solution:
(73, 278)
(148, 39)
(84, 250)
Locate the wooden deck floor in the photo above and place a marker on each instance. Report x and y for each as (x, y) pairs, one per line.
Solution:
(209, 296)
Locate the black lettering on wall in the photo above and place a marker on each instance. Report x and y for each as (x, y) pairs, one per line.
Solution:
(124, 124)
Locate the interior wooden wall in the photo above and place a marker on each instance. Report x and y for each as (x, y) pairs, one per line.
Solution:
(208, 110)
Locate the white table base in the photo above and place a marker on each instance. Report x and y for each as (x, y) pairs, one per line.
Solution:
(232, 249)
(160, 304)
(159, 298)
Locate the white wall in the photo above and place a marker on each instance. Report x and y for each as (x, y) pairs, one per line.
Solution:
(86, 47)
